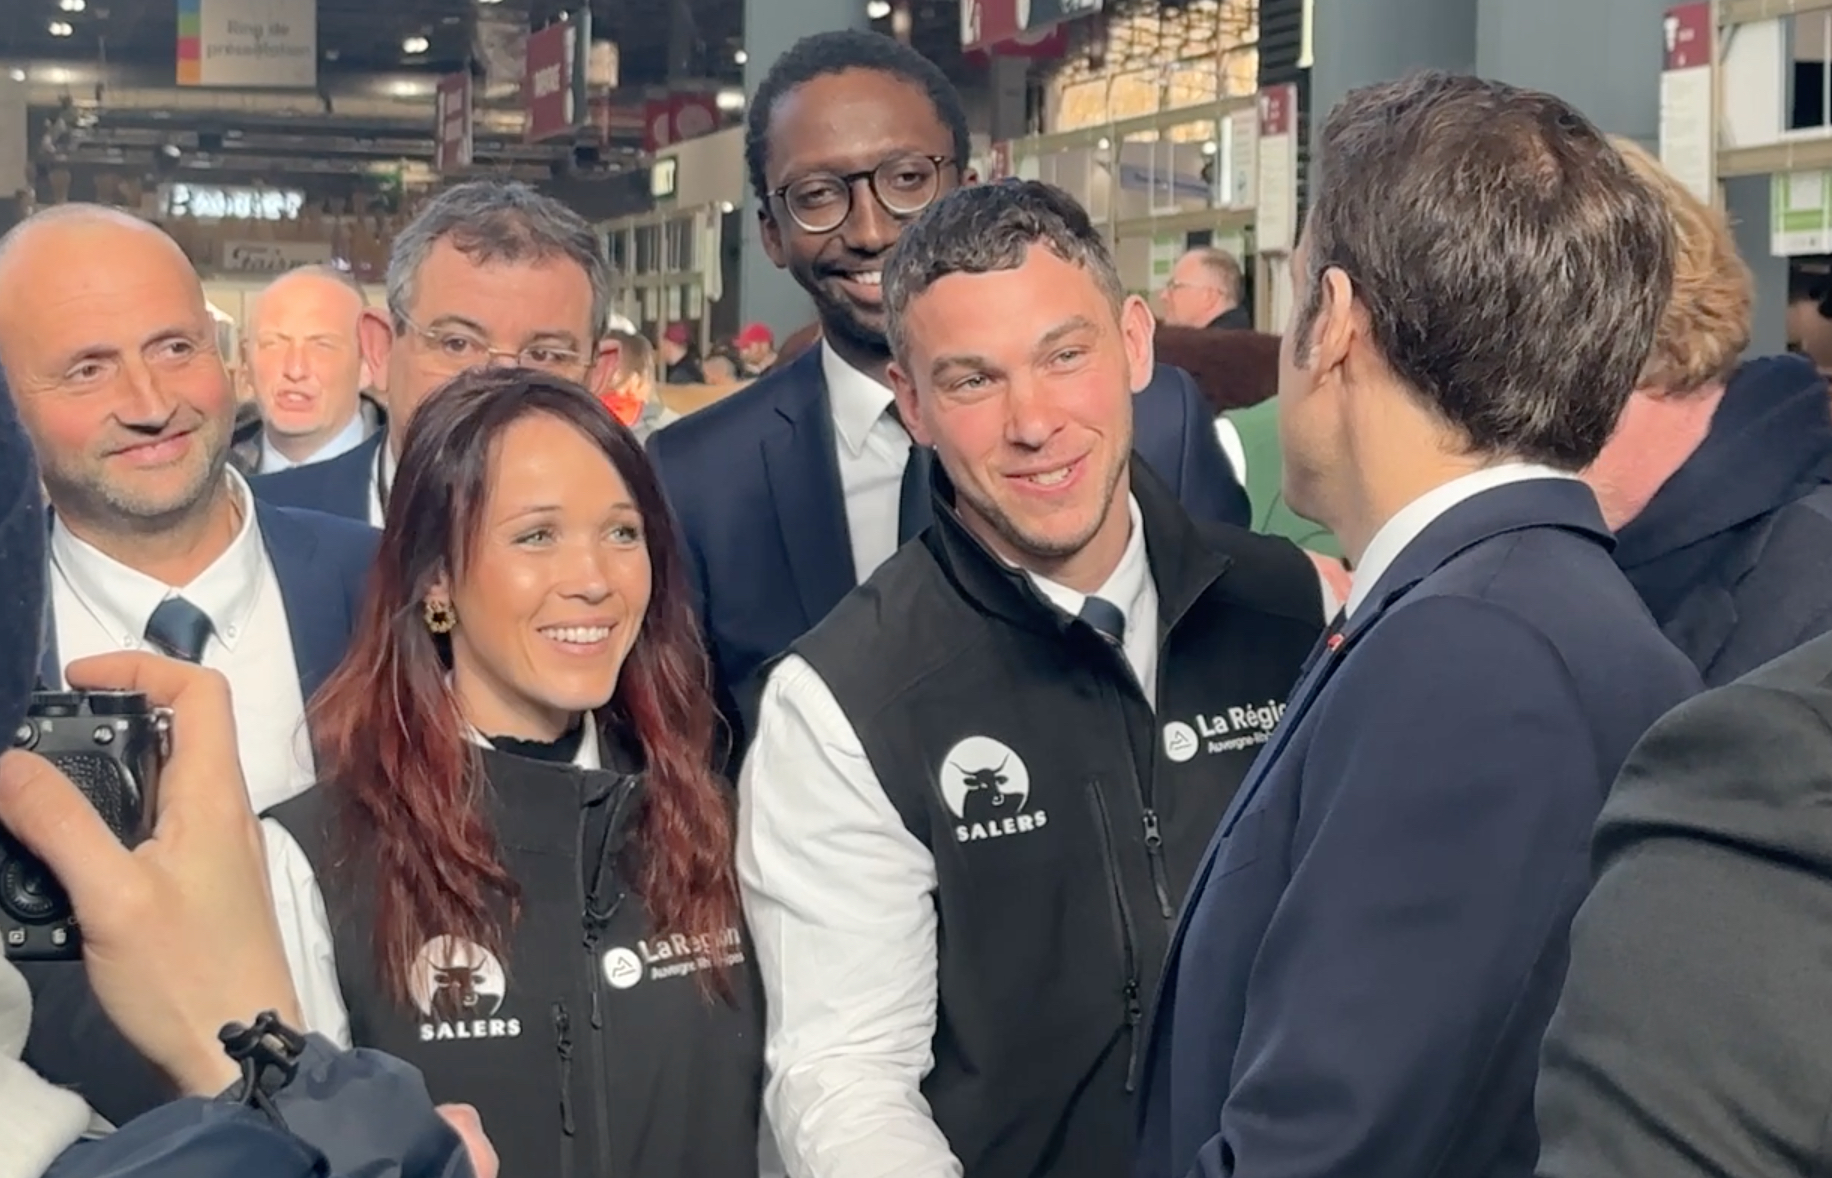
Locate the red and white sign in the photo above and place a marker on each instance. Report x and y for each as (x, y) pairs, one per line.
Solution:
(989, 23)
(1276, 222)
(452, 138)
(678, 117)
(547, 82)
(1688, 142)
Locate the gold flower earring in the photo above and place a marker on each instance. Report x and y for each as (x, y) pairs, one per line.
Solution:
(439, 616)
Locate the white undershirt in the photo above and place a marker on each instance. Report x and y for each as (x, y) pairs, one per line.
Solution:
(1410, 521)
(872, 450)
(102, 605)
(342, 442)
(840, 899)
(381, 473)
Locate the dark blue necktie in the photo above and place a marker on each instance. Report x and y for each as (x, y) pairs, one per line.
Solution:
(1106, 619)
(179, 629)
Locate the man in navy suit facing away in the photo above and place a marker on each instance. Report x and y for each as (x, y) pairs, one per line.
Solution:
(793, 490)
(156, 544)
(1370, 953)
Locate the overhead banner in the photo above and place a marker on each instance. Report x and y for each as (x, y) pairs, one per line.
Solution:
(267, 43)
(1688, 146)
(452, 143)
(986, 23)
(547, 82)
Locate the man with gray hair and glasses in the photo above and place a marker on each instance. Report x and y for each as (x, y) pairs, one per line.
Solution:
(489, 272)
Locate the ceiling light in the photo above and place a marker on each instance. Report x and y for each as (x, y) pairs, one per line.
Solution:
(71, 5)
(61, 28)
(878, 9)
(729, 100)
(489, 1)
(17, 75)
(415, 45)
(741, 57)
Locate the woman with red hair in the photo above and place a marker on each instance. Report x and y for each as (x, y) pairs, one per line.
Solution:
(516, 872)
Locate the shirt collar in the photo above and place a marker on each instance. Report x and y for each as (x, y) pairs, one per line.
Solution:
(346, 439)
(856, 400)
(1411, 520)
(589, 755)
(123, 599)
(1123, 587)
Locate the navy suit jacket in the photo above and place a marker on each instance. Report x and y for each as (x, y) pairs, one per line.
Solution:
(1366, 963)
(755, 482)
(336, 486)
(322, 565)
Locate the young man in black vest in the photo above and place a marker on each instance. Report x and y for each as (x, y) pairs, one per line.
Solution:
(981, 786)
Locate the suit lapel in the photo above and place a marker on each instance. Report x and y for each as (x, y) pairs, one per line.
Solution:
(810, 507)
(316, 613)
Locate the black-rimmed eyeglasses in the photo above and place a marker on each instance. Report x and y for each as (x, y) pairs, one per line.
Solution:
(904, 185)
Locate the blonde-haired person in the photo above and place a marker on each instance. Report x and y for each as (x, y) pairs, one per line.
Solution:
(1718, 479)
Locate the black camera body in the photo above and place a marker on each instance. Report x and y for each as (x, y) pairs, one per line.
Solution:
(111, 745)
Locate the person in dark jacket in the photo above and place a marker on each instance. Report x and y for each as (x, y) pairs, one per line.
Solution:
(981, 785)
(517, 871)
(192, 893)
(1718, 481)
(1693, 1038)
(1374, 939)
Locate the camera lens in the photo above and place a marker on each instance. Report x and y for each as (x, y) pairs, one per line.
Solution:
(29, 893)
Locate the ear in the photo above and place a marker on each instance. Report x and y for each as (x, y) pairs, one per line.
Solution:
(375, 340)
(969, 176)
(1333, 332)
(771, 233)
(909, 405)
(1138, 329)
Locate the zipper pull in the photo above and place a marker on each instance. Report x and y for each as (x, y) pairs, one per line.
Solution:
(1135, 1014)
(1154, 834)
(592, 964)
(1135, 1010)
(562, 1030)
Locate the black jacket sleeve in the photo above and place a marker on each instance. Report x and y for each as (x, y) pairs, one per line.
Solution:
(1692, 1037)
(347, 1114)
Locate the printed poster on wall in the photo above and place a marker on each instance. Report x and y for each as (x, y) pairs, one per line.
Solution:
(1276, 223)
(1688, 146)
(1800, 214)
(266, 43)
(453, 139)
(547, 82)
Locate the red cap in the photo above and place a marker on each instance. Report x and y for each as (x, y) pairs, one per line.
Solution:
(676, 333)
(756, 333)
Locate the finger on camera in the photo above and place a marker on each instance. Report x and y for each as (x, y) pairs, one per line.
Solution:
(54, 821)
(203, 721)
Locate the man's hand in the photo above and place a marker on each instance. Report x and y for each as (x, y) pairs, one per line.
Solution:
(464, 1119)
(179, 934)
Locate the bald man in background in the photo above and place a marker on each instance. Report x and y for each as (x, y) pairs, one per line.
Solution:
(307, 371)
(110, 355)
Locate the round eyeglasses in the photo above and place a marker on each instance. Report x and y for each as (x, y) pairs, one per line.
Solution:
(904, 185)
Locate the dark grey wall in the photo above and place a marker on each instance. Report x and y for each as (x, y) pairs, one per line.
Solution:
(1359, 42)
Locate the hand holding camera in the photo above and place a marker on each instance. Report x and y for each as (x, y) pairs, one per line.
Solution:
(178, 932)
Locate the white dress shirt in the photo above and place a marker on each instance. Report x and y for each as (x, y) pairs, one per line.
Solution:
(345, 440)
(381, 476)
(872, 450)
(1228, 434)
(841, 903)
(101, 605)
(1411, 520)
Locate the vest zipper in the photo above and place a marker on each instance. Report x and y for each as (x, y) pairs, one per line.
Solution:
(1154, 852)
(1135, 1009)
(600, 1106)
(562, 1034)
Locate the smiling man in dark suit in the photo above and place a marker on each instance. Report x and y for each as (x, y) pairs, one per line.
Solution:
(1371, 950)
(156, 544)
(793, 490)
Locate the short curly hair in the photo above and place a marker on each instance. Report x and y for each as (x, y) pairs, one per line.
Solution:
(824, 54)
(1705, 328)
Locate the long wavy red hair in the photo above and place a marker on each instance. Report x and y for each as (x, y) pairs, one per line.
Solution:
(391, 741)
